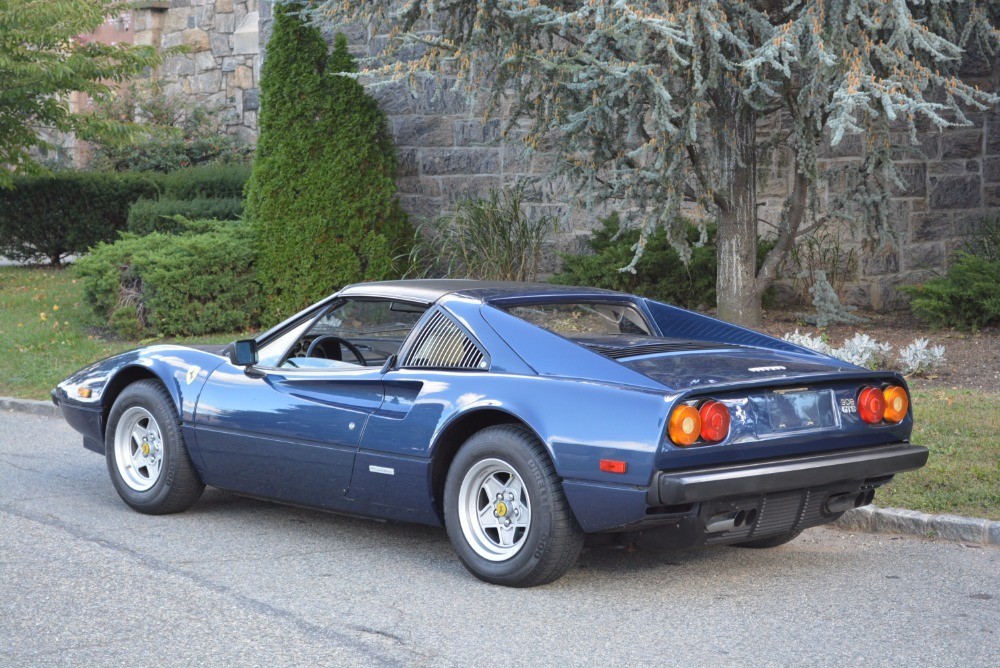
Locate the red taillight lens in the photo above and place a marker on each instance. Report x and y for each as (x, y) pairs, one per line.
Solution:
(871, 405)
(896, 403)
(685, 425)
(714, 421)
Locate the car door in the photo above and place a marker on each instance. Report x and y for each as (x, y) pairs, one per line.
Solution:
(289, 427)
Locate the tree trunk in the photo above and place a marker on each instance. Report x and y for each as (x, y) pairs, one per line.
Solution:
(736, 291)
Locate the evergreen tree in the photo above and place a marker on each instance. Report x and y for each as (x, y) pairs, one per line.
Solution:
(658, 101)
(42, 60)
(321, 198)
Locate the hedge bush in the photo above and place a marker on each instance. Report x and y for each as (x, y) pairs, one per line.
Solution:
(322, 196)
(159, 215)
(659, 274)
(206, 181)
(51, 216)
(196, 282)
(967, 297)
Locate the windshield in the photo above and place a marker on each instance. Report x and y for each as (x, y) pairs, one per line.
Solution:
(584, 319)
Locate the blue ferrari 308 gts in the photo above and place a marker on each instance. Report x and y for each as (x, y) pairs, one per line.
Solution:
(525, 418)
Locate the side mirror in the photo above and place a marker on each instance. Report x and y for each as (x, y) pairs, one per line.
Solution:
(242, 353)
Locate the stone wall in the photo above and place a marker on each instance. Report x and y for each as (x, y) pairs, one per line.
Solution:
(220, 64)
(447, 151)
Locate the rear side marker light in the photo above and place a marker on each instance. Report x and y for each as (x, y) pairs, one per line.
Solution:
(896, 403)
(685, 425)
(871, 405)
(714, 421)
(613, 466)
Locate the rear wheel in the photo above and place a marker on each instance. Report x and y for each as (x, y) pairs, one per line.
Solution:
(147, 458)
(773, 541)
(505, 510)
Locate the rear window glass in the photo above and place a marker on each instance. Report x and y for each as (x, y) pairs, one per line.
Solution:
(580, 319)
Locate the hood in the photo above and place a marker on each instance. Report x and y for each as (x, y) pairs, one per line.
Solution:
(686, 364)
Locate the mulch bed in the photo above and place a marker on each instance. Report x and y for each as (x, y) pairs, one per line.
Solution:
(973, 358)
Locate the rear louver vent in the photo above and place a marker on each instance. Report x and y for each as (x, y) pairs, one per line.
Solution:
(443, 345)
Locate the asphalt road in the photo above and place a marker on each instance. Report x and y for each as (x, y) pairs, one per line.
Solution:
(86, 581)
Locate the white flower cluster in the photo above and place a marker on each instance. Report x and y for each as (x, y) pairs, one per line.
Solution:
(918, 358)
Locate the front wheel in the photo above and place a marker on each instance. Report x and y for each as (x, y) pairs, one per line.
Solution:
(147, 458)
(505, 510)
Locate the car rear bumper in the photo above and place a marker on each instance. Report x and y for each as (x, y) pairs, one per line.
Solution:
(670, 488)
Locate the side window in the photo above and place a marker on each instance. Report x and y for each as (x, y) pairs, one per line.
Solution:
(442, 344)
(354, 333)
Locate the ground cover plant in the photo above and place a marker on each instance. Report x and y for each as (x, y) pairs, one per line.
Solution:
(197, 281)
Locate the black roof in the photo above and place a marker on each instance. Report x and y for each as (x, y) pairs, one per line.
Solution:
(429, 290)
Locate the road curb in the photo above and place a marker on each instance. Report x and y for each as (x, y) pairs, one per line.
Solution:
(46, 408)
(869, 519)
(872, 519)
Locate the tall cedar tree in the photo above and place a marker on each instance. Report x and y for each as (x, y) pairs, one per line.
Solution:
(322, 197)
(659, 101)
(42, 60)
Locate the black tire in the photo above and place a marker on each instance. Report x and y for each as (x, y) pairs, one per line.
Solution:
(170, 483)
(550, 541)
(773, 541)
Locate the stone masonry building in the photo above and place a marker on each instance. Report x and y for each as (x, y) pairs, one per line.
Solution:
(447, 151)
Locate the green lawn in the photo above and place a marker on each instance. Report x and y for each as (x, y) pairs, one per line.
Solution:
(962, 476)
(46, 334)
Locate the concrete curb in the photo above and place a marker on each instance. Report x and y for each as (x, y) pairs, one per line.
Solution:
(46, 408)
(955, 528)
(869, 519)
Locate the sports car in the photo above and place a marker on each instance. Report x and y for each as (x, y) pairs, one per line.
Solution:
(527, 419)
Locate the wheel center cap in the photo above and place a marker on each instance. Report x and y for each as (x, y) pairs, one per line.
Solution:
(145, 448)
(501, 509)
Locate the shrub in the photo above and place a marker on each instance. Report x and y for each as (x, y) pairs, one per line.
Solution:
(919, 358)
(197, 282)
(915, 359)
(322, 198)
(175, 134)
(206, 181)
(487, 238)
(158, 215)
(968, 297)
(66, 212)
(863, 350)
(659, 274)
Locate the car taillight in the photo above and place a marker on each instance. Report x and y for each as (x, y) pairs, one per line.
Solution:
(685, 425)
(896, 403)
(714, 421)
(871, 405)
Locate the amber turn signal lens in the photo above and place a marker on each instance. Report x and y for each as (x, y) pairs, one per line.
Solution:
(896, 403)
(685, 425)
(714, 421)
(871, 405)
(613, 466)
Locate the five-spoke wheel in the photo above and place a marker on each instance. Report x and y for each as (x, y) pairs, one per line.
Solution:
(138, 448)
(494, 509)
(505, 510)
(147, 458)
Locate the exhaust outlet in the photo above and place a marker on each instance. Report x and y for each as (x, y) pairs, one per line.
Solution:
(838, 503)
(725, 521)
